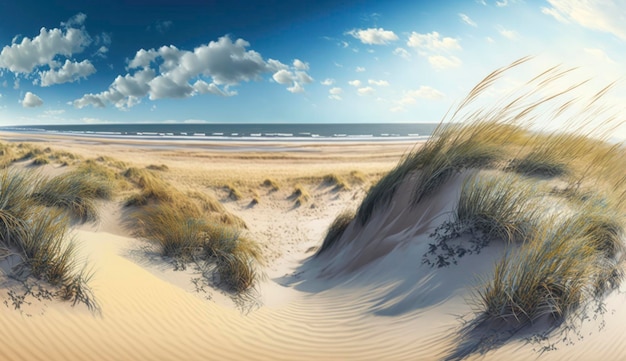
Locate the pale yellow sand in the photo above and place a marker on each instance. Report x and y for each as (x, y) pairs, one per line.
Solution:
(373, 300)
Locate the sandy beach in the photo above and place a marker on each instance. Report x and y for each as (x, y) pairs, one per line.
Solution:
(372, 299)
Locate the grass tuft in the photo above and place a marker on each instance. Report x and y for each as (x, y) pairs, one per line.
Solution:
(301, 195)
(233, 192)
(336, 230)
(271, 184)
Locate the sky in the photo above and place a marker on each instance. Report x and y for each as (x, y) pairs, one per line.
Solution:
(361, 61)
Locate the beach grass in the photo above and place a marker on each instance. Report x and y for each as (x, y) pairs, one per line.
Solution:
(336, 230)
(300, 194)
(193, 227)
(554, 198)
(40, 236)
(272, 184)
(75, 191)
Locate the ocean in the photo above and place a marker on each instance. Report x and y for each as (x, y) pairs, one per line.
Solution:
(260, 132)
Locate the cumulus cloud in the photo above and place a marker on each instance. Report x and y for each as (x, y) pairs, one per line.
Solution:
(355, 83)
(366, 90)
(373, 36)
(300, 65)
(69, 72)
(401, 52)
(328, 81)
(467, 20)
(335, 93)
(602, 15)
(48, 48)
(293, 78)
(436, 48)
(378, 82)
(31, 100)
(359, 69)
(433, 42)
(25, 56)
(169, 72)
(411, 97)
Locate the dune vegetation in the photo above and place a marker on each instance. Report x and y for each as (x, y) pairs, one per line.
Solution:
(37, 213)
(554, 198)
(193, 227)
(35, 229)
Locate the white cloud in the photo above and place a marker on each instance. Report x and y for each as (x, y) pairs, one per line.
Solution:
(373, 36)
(48, 49)
(424, 92)
(296, 79)
(173, 73)
(604, 15)
(16, 83)
(433, 42)
(335, 93)
(554, 13)
(366, 91)
(31, 100)
(444, 62)
(467, 20)
(101, 52)
(355, 83)
(296, 88)
(509, 34)
(300, 65)
(502, 3)
(401, 52)
(25, 56)
(69, 72)
(283, 77)
(411, 97)
(328, 81)
(75, 21)
(359, 69)
(599, 54)
(378, 82)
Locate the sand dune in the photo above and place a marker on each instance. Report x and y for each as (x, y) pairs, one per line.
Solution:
(368, 298)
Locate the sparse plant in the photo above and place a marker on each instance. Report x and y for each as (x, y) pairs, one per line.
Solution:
(336, 230)
(158, 167)
(271, 184)
(74, 191)
(233, 192)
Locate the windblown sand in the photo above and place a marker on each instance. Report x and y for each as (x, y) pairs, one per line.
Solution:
(370, 300)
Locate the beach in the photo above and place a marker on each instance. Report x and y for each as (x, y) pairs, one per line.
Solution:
(368, 298)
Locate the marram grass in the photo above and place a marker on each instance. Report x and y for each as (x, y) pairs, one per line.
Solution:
(556, 199)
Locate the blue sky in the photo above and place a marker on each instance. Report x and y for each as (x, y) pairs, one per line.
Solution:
(286, 61)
